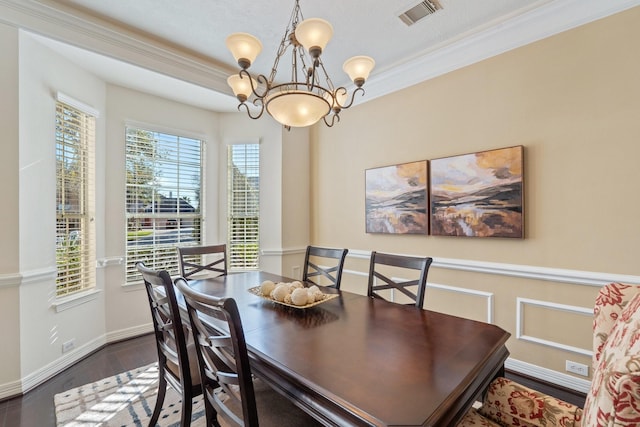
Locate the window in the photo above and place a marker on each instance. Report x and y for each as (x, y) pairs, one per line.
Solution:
(244, 206)
(163, 191)
(75, 231)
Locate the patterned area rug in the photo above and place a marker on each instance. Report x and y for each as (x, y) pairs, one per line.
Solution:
(125, 399)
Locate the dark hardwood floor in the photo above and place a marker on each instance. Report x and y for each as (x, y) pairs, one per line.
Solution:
(35, 408)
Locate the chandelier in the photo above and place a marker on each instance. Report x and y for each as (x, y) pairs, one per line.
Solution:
(310, 94)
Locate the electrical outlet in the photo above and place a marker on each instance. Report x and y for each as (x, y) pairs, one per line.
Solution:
(68, 345)
(577, 368)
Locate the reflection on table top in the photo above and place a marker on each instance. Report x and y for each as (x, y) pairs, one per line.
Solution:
(355, 360)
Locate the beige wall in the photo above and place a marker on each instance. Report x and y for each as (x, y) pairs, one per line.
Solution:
(573, 102)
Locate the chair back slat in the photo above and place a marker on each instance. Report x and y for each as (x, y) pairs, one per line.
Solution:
(192, 260)
(314, 269)
(380, 281)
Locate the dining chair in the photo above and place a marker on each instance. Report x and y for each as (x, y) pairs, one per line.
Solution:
(398, 263)
(614, 395)
(177, 357)
(231, 395)
(208, 259)
(313, 267)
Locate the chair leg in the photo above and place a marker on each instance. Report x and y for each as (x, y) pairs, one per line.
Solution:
(187, 407)
(162, 390)
(210, 412)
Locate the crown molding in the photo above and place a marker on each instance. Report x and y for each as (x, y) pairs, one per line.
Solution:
(537, 24)
(59, 22)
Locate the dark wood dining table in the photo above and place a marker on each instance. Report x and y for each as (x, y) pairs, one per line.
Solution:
(358, 361)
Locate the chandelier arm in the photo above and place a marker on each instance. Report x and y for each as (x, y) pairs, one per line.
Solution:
(246, 107)
(260, 79)
(353, 96)
(334, 117)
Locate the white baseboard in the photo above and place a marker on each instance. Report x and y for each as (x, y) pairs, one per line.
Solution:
(41, 375)
(548, 375)
(127, 333)
(13, 388)
(34, 379)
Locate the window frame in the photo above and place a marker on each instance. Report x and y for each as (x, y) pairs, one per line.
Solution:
(185, 222)
(241, 241)
(75, 143)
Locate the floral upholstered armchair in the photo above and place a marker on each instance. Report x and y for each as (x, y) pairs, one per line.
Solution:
(614, 396)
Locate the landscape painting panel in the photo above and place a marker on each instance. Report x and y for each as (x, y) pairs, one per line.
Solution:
(478, 195)
(396, 199)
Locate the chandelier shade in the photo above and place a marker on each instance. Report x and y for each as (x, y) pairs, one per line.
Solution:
(244, 47)
(314, 34)
(241, 86)
(304, 100)
(297, 108)
(358, 68)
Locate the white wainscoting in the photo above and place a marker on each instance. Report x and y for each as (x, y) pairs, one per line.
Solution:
(487, 296)
(559, 275)
(10, 280)
(109, 261)
(521, 303)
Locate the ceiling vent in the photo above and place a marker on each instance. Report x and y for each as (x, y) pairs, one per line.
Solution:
(419, 11)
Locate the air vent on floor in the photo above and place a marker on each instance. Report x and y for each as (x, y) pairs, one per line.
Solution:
(419, 11)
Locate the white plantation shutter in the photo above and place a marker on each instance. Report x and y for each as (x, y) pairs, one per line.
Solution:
(244, 206)
(75, 183)
(163, 207)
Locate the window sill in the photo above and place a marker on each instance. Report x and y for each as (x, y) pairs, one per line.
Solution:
(65, 303)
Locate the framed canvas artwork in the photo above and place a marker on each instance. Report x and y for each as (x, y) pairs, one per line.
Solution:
(478, 195)
(396, 199)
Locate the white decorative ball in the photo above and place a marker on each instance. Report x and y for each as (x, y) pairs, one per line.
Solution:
(300, 296)
(266, 287)
(280, 292)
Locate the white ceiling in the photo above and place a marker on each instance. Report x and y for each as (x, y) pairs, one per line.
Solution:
(463, 32)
